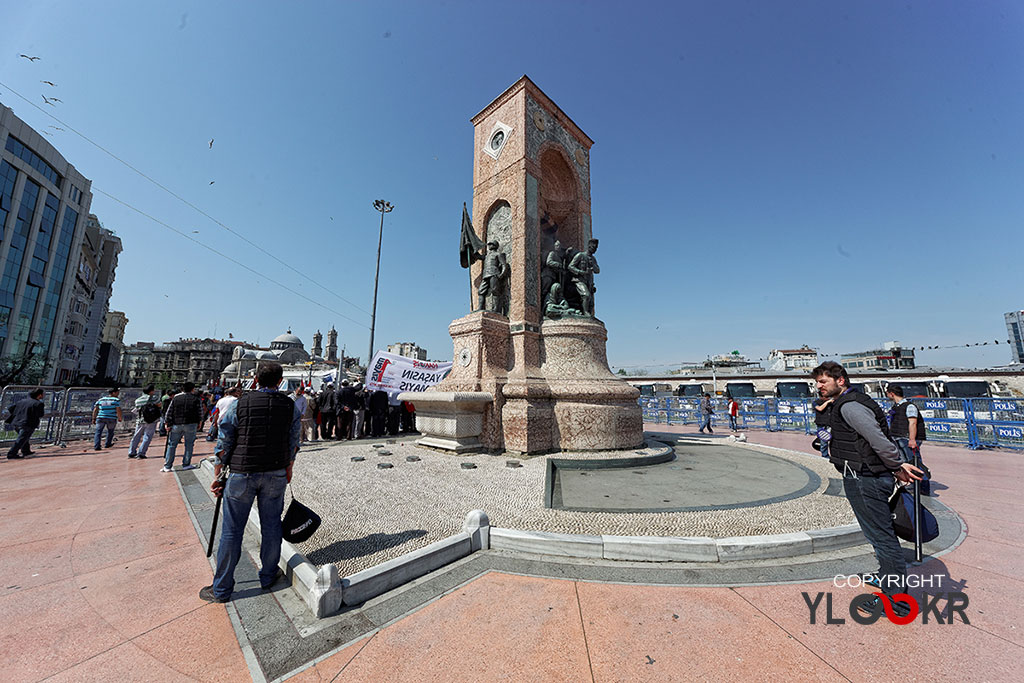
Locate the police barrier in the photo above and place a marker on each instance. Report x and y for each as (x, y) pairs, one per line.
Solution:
(975, 423)
(53, 400)
(76, 417)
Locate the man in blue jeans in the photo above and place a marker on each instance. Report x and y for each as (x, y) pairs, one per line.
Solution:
(862, 451)
(182, 420)
(259, 437)
(106, 413)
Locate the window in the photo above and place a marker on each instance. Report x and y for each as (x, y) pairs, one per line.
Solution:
(18, 148)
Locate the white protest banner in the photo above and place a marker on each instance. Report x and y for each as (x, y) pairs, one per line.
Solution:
(392, 373)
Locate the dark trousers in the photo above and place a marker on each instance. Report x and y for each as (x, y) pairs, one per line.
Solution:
(379, 423)
(869, 498)
(327, 425)
(345, 424)
(21, 443)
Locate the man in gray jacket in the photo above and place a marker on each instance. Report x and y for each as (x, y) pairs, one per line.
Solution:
(867, 458)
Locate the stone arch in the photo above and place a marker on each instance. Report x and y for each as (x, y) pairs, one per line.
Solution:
(498, 224)
(559, 197)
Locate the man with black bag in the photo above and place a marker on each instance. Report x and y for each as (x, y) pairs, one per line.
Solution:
(259, 437)
(862, 451)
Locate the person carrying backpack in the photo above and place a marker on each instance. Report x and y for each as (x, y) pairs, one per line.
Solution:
(147, 415)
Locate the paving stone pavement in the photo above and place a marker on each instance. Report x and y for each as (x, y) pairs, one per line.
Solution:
(101, 565)
(372, 515)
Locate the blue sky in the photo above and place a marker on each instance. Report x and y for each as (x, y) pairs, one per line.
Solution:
(764, 174)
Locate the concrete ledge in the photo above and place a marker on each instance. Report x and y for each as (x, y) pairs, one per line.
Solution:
(547, 543)
(370, 583)
(660, 549)
(836, 538)
(764, 547)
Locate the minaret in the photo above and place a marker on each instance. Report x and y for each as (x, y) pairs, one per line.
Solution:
(318, 344)
(332, 344)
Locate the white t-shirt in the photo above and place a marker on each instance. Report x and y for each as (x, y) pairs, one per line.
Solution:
(223, 404)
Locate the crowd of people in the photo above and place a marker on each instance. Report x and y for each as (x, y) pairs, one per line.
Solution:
(352, 412)
(346, 413)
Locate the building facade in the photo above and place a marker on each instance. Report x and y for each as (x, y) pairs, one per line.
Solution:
(782, 360)
(137, 364)
(43, 204)
(199, 361)
(890, 357)
(103, 248)
(1015, 334)
(408, 349)
(111, 346)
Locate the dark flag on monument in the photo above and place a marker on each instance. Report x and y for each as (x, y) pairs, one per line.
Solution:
(469, 244)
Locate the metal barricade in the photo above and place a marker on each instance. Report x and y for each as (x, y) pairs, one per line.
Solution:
(753, 413)
(789, 414)
(947, 420)
(998, 422)
(682, 410)
(76, 417)
(53, 399)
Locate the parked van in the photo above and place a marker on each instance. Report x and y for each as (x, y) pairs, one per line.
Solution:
(967, 389)
(740, 390)
(792, 390)
(689, 390)
(912, 389)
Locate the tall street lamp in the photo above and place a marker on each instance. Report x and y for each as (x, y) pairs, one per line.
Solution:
(384, 207)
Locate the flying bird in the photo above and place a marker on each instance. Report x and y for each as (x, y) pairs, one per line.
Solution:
(212, 182)
(31, 59)
(195, 232)
(47, 100)
(211, 143)
(55, 127)
(56, 99)
(47, 133)
(49, 83)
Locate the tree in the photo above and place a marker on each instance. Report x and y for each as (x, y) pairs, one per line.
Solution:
(27, 368)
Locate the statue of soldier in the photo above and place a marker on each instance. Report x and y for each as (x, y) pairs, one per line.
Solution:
(492, 280)
(552, 276)
(583, 267)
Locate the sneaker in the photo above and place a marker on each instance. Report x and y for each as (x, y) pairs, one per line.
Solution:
(206, 593)
(188, 467)
(140, 456)
(132, 456)
(15, 456)
(165, 469)
(870, 579)
(98, 448)
(869, 606)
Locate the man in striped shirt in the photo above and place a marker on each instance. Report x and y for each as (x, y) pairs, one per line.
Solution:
(106, 413)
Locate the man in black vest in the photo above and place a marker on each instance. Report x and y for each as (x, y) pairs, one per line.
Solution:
(861, 449)
(907, 426)
(259, 437)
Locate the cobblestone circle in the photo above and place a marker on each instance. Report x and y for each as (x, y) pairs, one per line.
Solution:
(373, 515)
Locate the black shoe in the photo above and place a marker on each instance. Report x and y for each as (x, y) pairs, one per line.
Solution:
(206, 593)
(29, 453)
(270, 585)
(14, 456)
(98, 448)
(140, 456)
(132, 456)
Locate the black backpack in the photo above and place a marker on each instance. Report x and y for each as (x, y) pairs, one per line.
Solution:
(150, 413)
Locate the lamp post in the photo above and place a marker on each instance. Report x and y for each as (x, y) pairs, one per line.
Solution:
(384, 207)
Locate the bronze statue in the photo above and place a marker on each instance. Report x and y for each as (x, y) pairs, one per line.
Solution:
(552, 277)
(582, 268)
(493, 279)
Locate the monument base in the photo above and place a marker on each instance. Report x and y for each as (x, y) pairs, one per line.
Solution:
(565, 400)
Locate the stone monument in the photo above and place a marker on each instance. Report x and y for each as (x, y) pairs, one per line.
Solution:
(530, 374)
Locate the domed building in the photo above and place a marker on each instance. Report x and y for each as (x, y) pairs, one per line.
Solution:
(286, 349)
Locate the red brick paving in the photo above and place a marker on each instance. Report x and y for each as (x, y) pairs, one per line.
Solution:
(100, 567)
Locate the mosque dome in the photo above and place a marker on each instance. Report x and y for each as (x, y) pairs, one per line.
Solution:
(286, 341)
(266, 355)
